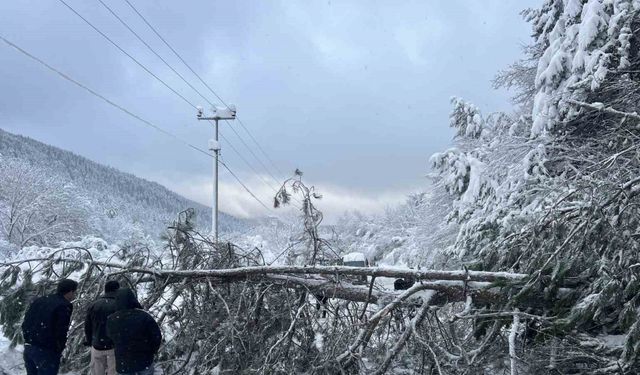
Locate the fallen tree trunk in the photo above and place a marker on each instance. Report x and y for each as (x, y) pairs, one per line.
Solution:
(299, 270)
(482, 293)
(450, 286)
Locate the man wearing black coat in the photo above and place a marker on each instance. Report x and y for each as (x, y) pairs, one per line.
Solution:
(45, 328)
(103, 361)
(135, 335)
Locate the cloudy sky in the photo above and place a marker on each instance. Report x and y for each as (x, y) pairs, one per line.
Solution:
(354, 93)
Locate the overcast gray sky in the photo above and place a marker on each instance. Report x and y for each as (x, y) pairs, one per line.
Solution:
(354, 93)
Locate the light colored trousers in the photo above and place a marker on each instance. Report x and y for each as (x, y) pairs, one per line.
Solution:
(103, 362)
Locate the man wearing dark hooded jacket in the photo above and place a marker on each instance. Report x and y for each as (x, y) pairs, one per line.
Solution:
(45, 329)
(135, 335)
(103, 361)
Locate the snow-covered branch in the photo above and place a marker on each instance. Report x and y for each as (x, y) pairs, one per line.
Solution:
(602, 108)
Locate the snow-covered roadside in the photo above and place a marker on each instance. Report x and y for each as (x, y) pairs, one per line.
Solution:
(11, 362)
(10, 359)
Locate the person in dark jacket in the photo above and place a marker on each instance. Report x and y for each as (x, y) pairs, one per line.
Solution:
(45, 328)
(135, 334)
(103, 360)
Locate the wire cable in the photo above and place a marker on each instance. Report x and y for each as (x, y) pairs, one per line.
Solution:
(124, 23)
(126, 53)
(248, 164)
(204, 83)
(258, 174)
(252, 153)
(198, 92)
(153, 51)
(155, 76)
(123, 109)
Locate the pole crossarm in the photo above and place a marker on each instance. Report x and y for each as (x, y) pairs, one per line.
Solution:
(215, 118)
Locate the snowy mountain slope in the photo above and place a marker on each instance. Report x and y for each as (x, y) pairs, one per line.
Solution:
(117, 200)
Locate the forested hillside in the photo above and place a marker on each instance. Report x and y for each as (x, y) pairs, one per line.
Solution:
(103, 200)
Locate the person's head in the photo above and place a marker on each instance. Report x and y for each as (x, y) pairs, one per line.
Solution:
(126, 299)
(67, 289)
(111, 286)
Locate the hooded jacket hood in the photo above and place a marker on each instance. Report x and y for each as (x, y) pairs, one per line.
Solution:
(125, 300)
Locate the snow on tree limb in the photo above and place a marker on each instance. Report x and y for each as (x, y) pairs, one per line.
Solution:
(602, 108)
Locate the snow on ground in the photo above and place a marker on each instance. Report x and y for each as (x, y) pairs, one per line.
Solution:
(11, 362)
(10, 359)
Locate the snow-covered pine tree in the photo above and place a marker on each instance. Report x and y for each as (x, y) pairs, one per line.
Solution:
(583, 42)
(561, 199)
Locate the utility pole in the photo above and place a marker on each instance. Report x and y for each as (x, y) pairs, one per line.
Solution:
(219, 113)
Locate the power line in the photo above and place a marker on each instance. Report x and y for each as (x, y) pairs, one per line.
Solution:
(260, 147)
(247, 163)
(258, 174)
(154, 75)
(124, 23)
(128, 112)
(204, 83)
(252, 153)
(153, 51)
(243, 185)
(125, 52)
